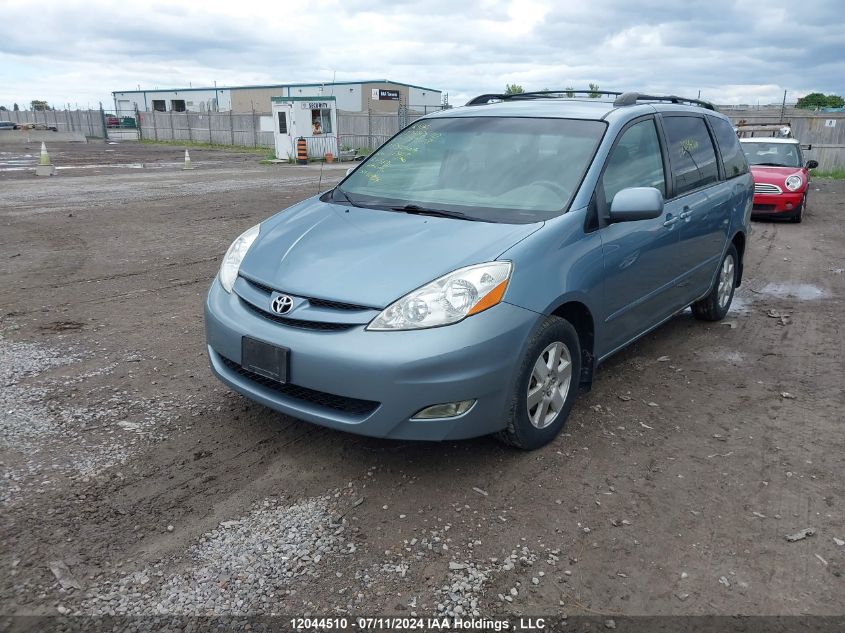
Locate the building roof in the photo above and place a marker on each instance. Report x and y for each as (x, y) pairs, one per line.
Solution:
(293, 85)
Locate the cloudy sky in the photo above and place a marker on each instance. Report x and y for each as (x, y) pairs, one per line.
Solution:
(732, 51)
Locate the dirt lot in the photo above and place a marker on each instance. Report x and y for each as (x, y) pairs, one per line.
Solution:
(134, 483)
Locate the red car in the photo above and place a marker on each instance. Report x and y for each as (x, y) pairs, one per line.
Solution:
(781, 179)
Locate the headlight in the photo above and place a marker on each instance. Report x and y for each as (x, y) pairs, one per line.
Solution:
(233, 257)
(448, 299)
(794, 182)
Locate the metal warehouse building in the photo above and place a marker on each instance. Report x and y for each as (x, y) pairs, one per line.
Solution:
(376, 95)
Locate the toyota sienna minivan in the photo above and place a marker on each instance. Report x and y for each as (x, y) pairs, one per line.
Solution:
(473, 273)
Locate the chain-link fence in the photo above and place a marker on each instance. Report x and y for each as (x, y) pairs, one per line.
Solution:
(357, 132)
(86, 122)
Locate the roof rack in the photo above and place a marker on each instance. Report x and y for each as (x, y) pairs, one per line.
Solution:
(632, 98)
(622, 98)
(542, 94)
(756, 130)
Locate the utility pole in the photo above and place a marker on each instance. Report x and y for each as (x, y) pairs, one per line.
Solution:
(783, 106)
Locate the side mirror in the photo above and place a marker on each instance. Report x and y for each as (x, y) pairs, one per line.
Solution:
(636, 203)
(812, 164)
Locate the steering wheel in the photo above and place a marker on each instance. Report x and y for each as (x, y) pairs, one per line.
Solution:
(548, 184)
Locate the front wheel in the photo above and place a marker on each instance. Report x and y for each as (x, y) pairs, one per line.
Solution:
(546, 387)
(716, 304)
(799, 215)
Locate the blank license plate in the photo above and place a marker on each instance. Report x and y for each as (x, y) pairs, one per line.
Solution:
(264, 359)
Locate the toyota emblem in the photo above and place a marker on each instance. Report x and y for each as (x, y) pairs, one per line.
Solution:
(281, 304)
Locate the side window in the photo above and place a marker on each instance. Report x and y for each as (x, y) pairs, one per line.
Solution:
(732, 155)
(635, 161)
(691, 153)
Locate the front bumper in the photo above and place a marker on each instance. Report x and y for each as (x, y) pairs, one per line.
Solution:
(785, 203)
(400, 373)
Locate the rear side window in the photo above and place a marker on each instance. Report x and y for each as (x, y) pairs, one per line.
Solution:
(635, 161)
(691, 153)
(733, 158)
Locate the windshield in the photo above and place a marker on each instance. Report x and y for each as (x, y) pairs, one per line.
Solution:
(513, 170)
(772, 154)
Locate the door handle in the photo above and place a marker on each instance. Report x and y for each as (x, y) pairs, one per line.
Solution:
(669, 220)
(685, 213)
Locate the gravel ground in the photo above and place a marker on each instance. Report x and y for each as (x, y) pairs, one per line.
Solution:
(134, 483)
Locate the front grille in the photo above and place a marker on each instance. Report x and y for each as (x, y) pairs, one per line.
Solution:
(299, 323)
(764, 207)
(764, 187)
(318, 303)
(352, 406)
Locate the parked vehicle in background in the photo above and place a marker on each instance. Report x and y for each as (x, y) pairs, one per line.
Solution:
(121, 122)
(781, 177)
(474, 271)
(8, 125)
(37, 126)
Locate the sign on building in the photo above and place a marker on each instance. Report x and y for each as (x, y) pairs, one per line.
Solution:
(830, 123)
(385, 95)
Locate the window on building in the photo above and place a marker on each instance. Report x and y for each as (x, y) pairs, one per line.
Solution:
(283, 123)
(159, 105)
(177, 105)
(636, 161)
(691, 153)
(321, 122)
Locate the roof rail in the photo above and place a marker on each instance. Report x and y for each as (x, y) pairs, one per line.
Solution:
(622, 98)
(753, 130)
(542, 94)
(632, 98)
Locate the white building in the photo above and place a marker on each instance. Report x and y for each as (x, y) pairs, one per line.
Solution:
(377, 95)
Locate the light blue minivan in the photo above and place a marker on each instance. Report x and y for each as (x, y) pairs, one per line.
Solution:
(472, 273)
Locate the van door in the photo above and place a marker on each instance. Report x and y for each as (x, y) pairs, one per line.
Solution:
(703, 200)
(640, 257)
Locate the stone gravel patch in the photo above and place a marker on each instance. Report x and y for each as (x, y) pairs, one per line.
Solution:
(45, 435)
(243, 566)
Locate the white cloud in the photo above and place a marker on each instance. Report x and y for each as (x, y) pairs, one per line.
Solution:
(78, 52)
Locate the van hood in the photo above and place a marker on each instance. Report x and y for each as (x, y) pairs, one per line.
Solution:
(368, 257)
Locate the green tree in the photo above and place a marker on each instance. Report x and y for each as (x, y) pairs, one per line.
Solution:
(816, 100)
(16, 107)
(594, 91)
(835, 101)
(38, 104)
(2, 108)
(513, 89)
(570, 92)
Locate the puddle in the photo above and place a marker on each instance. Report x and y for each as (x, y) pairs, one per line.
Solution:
(740, 305)
(725, 356)
(803, 292)
(24, 166)
(106, 166)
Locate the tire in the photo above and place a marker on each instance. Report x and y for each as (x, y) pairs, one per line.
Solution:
(716, 304)
(799, 215)
(553, 335)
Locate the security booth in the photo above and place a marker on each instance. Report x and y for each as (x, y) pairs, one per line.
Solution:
(311, 118)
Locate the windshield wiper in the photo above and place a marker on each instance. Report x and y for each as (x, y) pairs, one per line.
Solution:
(416, 209)
(771, 165)
(345, 196)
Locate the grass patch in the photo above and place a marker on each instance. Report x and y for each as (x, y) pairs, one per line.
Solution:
(836, 174)
(200, 145)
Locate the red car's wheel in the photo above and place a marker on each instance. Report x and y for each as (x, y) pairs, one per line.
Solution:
(799, 215)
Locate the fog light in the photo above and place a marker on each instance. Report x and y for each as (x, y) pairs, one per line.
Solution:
(448, 410)
(788, 206)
